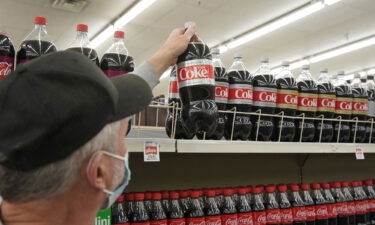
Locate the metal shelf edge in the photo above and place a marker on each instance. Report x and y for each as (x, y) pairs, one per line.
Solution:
(137, 144)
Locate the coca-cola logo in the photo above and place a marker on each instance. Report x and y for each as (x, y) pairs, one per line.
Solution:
(345, 106)
(231, 222)
(221, 92)
(310, 213)
(5, 69)
(321, 212)
(262, 219)
(291, 99)
(193, 72)
(197, 222)
(301, 213)
(287, 216)
(267, 96)
(309, 102)
(273, 217)
(245, 220)
(213, 222)
(243, 93)
(328, 103)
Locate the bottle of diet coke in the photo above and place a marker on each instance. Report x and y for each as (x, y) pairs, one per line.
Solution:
(360, 110)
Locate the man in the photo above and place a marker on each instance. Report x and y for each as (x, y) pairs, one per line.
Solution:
(63, 155)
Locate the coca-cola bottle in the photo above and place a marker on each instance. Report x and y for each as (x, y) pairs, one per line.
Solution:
(326, 108)
(366, 201)
(148, 202)
(309, 205)
(343, 109)
(196, 81)
(201, 198)
(331, 204)
(264, 101)
(211, 209)
(219, 197)
(139, 214)
(176, 215)
(244, 214)
(7, 55)
(341, 204)
(158, 216)
(119, 214)
(298, 206)
(195, 215)
(371, 107)
(129, 204)
(286, 213)
(249, 195)
(174, 116)
(307, 105)
(287, 100)
(184, 200)
(165, 201)
(259, 210)
(371, 200)
(351, 210)
(228, 211)
(321, 209)
(272, 207)
(360, 204)
(82, 44)
(240, 98)
(360, 110)
(36, 43)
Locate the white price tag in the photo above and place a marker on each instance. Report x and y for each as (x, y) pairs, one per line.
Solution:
(151, 151)
(359, 154)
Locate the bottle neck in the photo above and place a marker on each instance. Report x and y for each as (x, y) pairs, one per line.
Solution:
(323, 77)
(81, 40)
(258, 198)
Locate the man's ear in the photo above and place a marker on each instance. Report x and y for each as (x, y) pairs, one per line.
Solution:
(98, 171)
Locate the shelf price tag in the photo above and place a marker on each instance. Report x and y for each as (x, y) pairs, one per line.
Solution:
(151, 151)
(359, 153)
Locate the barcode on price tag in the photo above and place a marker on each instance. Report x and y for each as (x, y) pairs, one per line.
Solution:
(359, 154)
(151, 151)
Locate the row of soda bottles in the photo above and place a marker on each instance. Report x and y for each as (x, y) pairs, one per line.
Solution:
(201, 86)
(115, 61)
(335, 203)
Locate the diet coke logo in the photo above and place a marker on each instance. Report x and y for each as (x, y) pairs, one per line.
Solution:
(328, 103)
(194, 72)
(309, 102)
(345, 106)
(221, 91)
(267, 97)
(358, 106)
(243, 94)
(291, 99)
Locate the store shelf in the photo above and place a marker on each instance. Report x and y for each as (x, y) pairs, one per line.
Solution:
(137, 144)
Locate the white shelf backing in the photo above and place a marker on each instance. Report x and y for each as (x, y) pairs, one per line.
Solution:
(211, 146)
(137, 144)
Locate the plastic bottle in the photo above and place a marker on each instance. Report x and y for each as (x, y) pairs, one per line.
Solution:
(321, 208)
(331, 204)
(371, 107)
(298, 206)
(195, 215)
(119, 214)
(351, 211)
(272, 207)
(341, 204)
(139, 215)
(7, 55)
(129, 204)
(309, 205)
(158, 215)
(360, 204)
(211, 210)
(360, 110)
(148, 202)
(165, 201)
(228, 211)
(176, 215)
(184, 200)
(371, 200)
(259, 210)
(286, 213)
(244, 214)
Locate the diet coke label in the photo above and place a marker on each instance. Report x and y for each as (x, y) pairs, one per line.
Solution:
(360, 106)
(286, 216)
(307, 102)
(6, 66)
(229, 219)
(221, 92)
(273, 216)
(326, 103)
(265, 97)
(213, 220)
(173, 88)
(332, 210)
(196, 221)
(299, 213)
(245, 218)
(287, 99)
(180, 221)
(344, 105)
(310, 213)
(260, 218)
(240, 94)
(321, 211)
(195, 72)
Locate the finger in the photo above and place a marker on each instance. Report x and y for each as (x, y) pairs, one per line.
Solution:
(190, 31)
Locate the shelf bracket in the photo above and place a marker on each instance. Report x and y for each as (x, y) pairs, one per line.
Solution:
(301, 163)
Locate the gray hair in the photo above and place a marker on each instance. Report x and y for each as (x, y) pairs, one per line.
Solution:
(55, 178)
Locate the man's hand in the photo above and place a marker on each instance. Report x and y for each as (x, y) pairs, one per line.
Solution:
(175, 45)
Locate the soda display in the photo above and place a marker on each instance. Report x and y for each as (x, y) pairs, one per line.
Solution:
(195, 215)
(158, 215)
(264, 101)
(309, 205)
(244, 214)
(307, 105)
(82, 44)
(259, 210)
(321, 209)
(298, 206)
(228, 210)
(343, 110)
(326, 108)
(7, 55)
(139, 213)
(371, 107)
(36, 43)
(287, 100)
(331, 204)
(272, 206)
(211, 209)
(240, 98)
(360, 110)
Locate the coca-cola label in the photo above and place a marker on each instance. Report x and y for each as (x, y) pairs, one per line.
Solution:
(180, 221)
(351, 210)
(245, 218)
(287, 99)
(342, 209)
(360, 207)
(195, 72)
(260, 218)
(360, 106)
(213, 220)
(299, 213)
(265, 97)
(196, 221)
(326, 103)
(273, 216)
(221, 92)
(332, 210)
(229, 219)
(286, 216)
(173, 88)
(310, 213)
(321, 212)
(240, 94)
(307, 102)
(343, 105)
(6, 66)
(158, 222)
(372, 205)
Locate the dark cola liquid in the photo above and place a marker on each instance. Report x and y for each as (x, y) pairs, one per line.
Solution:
(371, 114)
(326, 96)
(307, 127)
(266, 102)
(359, 100)
(343, 99)
(199, 109)
(6, 56)
(287, 99)
(114, 64)
(181, 131)
(31, 49)
(239, 85)
(89, 52)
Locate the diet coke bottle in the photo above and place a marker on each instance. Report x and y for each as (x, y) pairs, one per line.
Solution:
(195, 215)
(307, 105)
(240, 98)
(196, 81)
(287, 100)
(331, 204)
(245, 216)
(229, 211)
(7, 55)
(309, 205)
(211, 210)
(264, 101)
(176, 215)
(321, 209)
(158, 215)
(298, 206)
(371, 200)
(286, 213)
(139, 215)
(272, 207)
(259, 211)
(371, 107)
(360, 110)
(341, 204)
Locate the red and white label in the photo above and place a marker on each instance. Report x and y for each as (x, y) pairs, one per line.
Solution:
(351, 210)
(332, 210)
(196, 221)
(287, 99)
(229, 219)
(372, 205)
(265, 97)
(342, 208)
(213, 220)
(286, 216)
(326, 103)
(180, 221)
(299, 213)
(173, 88)
(310, 213)
(321, 211)
(260, 218)
(307, 102)
(221, 92)
(360, 207)
(245, 218)
(360, 106)
(158, 222)
(240, 94)
(273, 216)
(344, 105)
(6, 66)
(195, 72)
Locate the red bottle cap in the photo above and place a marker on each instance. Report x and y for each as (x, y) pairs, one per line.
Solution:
(261, 186)
(360, 183)
(243, 191)
(40, 20)
(156, 196)
(257, 190)
(194, 194)
(270, 188)
(139, 196)
(183, 194)
(325, 185)
(148, 195)
(119, 34)
(218, 191)
(210, 193)
(120, 199)
(228, 192)
(295, 187)
(355, 184)
(174, 195)
(165, 194)
(189, 192)
(369, 182)
(82, 27)
(282, 188)
(304, 186)
(344, 183)
(129, 197)
(315, 186)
